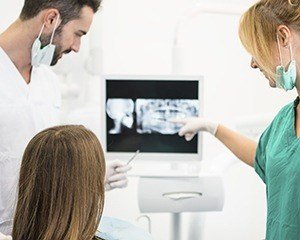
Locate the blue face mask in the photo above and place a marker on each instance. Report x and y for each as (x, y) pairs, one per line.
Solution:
(43, 55)
(286, 79)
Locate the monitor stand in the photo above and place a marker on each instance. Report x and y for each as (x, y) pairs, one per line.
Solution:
(171, 169)
(176, 230)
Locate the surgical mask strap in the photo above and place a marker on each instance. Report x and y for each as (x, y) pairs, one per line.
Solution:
(280, 55)
(40, 34)
(291, 52)
(52, 36)
(278, 46)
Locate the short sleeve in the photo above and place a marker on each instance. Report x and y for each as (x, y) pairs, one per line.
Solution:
(262, 149)
(265, 141)
(260, 157)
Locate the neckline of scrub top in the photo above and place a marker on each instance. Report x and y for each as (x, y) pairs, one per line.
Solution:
(296, 103)
(16, 75)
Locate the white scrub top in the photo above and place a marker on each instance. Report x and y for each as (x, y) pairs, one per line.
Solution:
(25, 109)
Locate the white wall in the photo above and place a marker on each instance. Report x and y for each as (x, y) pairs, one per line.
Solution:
(9, 11)
(137, 39)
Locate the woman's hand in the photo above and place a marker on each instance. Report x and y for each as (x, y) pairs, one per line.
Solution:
(116, 175)
(191, 126)
(241, 146)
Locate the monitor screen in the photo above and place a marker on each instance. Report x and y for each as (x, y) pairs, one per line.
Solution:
(139, 114)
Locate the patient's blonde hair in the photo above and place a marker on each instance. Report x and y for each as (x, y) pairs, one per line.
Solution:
(61, 186)
(258, 28)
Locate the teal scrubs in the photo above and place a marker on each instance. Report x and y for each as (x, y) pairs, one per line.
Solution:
(277, 162)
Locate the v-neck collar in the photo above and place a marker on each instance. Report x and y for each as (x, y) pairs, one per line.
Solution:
(14, 74)
(296, 103)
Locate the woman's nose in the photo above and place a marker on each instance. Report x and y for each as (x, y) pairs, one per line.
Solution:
(253, 64)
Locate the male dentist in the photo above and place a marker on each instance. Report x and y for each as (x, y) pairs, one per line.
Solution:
(29, 90)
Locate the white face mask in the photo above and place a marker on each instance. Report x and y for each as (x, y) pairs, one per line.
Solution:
(43, 55)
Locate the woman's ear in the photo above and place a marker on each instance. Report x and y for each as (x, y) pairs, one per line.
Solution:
(284, 35)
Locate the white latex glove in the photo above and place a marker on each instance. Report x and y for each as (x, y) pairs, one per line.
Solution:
(191, 126)
(116, 175)
(4, 237)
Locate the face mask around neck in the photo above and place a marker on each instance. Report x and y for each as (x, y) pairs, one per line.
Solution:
(286, 79)
(43, 55)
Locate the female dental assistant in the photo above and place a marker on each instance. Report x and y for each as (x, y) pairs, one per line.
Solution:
(270, 32)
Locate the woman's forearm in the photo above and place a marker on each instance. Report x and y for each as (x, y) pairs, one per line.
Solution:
(241, 146)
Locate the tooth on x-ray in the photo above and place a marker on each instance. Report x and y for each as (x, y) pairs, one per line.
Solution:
(154, 115)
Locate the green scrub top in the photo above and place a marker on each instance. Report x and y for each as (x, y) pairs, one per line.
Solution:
(277, 162)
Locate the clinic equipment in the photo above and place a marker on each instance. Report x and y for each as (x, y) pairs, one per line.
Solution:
(147, 125)
(178, 50)
(158, 99)
(116, 229)
(179, 195)
(133, 157)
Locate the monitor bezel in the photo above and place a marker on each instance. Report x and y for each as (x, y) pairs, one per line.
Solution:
(123, 156)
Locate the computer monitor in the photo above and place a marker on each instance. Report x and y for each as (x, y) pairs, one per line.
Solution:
(137, 113)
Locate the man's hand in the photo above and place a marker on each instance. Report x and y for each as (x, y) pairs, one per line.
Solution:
(116, 175)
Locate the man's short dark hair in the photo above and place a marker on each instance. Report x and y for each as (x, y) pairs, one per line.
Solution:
(68, 9)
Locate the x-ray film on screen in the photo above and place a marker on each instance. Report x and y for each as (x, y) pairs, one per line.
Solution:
(140, 117)
(154, 115)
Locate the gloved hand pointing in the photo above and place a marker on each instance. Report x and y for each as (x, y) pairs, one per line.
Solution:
(191, 126)
(116, 175)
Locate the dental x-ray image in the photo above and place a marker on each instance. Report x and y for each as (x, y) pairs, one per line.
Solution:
(138, 114)
(155, 115)
(121, 112)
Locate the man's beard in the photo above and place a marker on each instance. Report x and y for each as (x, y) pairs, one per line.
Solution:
(56, 55)
(45, 40)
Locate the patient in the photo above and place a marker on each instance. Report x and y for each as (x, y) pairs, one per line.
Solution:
(61, 186)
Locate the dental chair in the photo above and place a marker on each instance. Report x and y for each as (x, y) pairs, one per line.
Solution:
(116, 229)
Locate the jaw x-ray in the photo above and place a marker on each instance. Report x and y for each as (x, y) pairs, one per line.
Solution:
(152, 115)
(139, 115)
(155, 115)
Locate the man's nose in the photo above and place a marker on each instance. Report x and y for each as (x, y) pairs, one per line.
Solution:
(76, 47)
